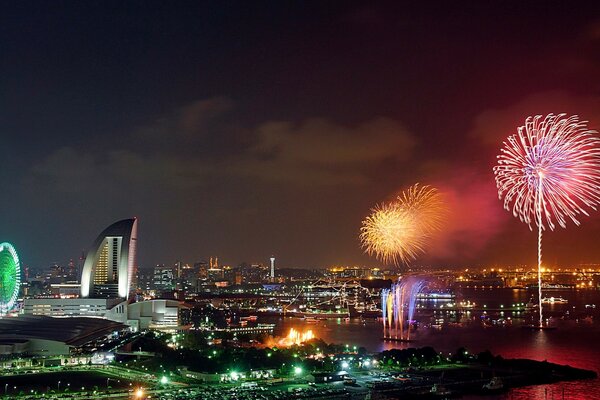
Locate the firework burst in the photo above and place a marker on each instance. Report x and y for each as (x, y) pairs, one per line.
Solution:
(555, 162)
(390, 234)
(549, 173)
(426, 205)
(398, 231)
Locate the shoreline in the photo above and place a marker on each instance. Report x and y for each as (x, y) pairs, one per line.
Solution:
(469, 378)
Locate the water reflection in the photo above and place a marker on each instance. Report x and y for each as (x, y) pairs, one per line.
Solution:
(573, 343)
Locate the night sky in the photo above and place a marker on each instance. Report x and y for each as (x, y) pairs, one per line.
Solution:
(245, 129)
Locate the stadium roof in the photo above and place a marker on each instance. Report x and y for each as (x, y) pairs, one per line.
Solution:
(75, 331)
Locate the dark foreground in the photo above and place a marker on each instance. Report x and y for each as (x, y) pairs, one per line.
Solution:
(492, 377)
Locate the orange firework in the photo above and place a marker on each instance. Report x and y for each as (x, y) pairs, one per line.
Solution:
(398, 231)
(426, 205)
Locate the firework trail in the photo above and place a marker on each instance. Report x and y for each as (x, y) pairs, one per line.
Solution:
(549, 173)
(398, 231)
(398, 305)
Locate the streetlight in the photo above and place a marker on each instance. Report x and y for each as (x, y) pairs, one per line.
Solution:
(139, 393)
(164, 380)
(297, 370)
(58, 387)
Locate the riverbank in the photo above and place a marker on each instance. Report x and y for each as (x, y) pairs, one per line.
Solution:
(480, 375)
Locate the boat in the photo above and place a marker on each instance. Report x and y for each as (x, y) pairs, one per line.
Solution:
(553, 286)
(554, 300)
(438, 390)
(326, 314)
(249, 318)
(530, 305)
(310, 320)
(494, 385)
(436, 296)
(396, 339)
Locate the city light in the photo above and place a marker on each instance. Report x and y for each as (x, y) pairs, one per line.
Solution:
(299, 133)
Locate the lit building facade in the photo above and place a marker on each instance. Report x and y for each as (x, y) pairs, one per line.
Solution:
(69, 307)
(110, 262)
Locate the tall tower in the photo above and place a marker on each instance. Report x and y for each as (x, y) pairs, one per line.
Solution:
(272, 268)
(109, 265)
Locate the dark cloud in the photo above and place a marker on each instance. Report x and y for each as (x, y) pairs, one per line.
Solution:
(318, 151)
(493, 126)
(180, 182)
(240, 130)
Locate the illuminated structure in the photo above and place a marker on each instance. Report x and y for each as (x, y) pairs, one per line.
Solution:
(272, 268)
(10, 277)
(110, 262)
(549, 172)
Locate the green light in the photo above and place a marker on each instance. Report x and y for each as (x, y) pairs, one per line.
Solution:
(297, 370)
(164, 380)
(10, 277)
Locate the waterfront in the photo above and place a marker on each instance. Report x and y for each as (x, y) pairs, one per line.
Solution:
(569, 344)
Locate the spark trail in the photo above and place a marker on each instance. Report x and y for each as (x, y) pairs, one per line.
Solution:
(549, 173)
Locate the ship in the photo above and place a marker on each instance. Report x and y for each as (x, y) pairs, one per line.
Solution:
(310, 320)
(436, 296)
(370, 311)
(493, 386)
(553, 286)
(322, 314)
(554, 300)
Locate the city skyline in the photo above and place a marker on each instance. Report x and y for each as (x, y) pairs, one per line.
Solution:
(244, 131)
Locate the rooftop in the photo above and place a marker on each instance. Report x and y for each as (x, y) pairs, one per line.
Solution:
(71, 331)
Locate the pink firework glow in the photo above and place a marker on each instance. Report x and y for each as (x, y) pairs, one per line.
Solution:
(549, 173)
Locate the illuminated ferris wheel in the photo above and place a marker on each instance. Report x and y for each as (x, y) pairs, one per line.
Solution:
(10, 277)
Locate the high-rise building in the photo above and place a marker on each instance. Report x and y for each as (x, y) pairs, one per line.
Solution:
(164, 278)
(110, 262)
(272, 267)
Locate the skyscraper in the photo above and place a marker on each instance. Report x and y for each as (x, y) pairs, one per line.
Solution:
(272, 268)
(110, 262)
